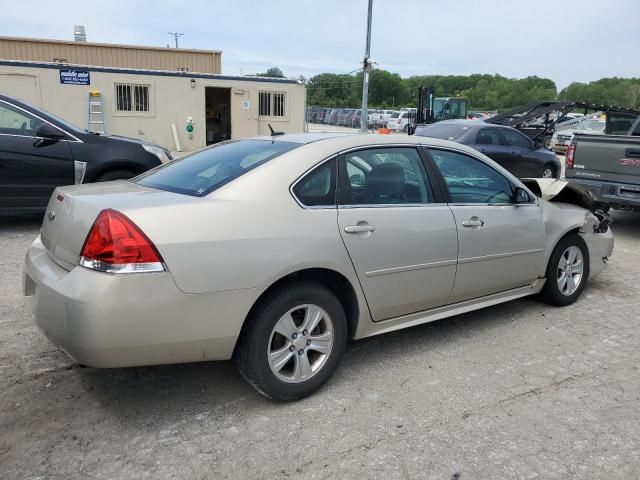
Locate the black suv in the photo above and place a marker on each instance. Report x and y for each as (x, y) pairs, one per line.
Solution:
(39, 151)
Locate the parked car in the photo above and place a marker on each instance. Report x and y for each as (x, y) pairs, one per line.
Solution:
(39, 151)
(399, 121)
(331, 117)
(562, 137)
(609, 166)
(509, 147)
(251, 249)
(345, 117)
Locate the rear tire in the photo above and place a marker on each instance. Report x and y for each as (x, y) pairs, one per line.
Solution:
(115, 175)
(567, 271)
(282, 352)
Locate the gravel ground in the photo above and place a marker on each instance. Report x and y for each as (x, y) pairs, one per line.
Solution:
(519, 390)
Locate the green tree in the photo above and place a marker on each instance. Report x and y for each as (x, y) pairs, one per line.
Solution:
(273, 72)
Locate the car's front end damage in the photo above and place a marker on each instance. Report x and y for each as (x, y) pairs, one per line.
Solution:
(573, 206)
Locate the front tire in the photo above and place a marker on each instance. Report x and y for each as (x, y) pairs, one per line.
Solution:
(567, 271)
(292, 341)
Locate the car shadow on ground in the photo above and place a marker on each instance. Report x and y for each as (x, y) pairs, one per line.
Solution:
(149, 394)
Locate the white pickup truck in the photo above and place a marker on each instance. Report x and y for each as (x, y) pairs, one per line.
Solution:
(561, 139)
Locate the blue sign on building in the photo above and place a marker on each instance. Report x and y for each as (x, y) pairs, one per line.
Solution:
(75, 77)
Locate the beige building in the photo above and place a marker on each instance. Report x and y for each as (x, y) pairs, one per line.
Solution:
(151, 103)
(110, 55)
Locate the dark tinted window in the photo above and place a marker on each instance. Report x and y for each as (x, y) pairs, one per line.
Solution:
(383, 176)
(470, 180)
(489, 136)
(515, 139)
(318, 187)
(636, 131)
(620, 123)
(202, 172)
(445, 131)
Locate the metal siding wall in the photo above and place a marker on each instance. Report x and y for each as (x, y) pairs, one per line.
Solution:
(110, 56)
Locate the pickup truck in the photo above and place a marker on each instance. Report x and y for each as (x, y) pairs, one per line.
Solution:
(609, 166)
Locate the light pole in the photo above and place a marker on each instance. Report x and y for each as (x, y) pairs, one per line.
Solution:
(303, 81)
(175, 37)
(366, 68)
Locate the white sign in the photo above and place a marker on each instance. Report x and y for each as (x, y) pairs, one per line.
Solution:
(245, 104)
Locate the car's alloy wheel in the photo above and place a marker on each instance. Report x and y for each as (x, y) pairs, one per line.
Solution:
(567, 271)
(570, 270)
(300, 343)
(292, 341)
(548, 172)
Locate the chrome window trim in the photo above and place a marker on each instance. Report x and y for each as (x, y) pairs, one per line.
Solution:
(75, 139)
(392, 205)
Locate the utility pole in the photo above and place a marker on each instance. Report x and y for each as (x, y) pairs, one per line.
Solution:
(175, 37)
(366, 68)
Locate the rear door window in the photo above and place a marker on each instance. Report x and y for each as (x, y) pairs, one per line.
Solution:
(385, 176)
(489, 136)
(204, 171)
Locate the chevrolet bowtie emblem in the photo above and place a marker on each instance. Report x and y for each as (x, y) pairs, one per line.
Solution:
(52, 215)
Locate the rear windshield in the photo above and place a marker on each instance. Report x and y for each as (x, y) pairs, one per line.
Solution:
(204, 171)
(446, 131)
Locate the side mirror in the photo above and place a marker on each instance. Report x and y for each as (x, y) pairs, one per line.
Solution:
(520, 195)
(537, 145)
(49, 132)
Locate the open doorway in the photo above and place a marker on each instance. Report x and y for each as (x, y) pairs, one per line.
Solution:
(217, 114)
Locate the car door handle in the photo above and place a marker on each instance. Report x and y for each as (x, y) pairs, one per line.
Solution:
(473, 222)
(359, 228)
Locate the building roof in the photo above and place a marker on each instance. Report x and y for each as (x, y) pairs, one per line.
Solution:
(108, 45)
(162, 73)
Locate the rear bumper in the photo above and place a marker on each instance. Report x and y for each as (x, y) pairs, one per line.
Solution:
(616, 195)
(105, 320)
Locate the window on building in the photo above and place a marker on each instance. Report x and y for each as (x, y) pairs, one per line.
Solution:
(132, 97)
(272, 104)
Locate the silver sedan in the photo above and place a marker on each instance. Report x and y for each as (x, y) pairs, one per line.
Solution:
(275, 250)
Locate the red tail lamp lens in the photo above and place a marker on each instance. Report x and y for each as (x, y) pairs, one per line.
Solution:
(115, 240)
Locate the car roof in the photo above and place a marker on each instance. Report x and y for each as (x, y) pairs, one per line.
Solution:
(303, 138)
(337, 141)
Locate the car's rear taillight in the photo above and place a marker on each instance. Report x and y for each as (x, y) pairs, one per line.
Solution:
(571, 151)
(116, 245)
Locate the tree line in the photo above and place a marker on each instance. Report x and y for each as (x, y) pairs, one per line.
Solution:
(485, 92)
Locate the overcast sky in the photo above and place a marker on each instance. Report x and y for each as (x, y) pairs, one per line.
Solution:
(565, 40)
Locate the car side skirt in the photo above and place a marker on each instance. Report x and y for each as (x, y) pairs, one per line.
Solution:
(449, 310)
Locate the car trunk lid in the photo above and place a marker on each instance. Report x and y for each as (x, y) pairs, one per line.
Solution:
(72, 210)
